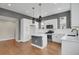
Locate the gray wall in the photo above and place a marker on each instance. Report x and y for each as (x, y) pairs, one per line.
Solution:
(56, 16)
(5, 12)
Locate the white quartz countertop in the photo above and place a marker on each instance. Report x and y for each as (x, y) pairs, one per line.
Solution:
(70, 38)
(38, 34)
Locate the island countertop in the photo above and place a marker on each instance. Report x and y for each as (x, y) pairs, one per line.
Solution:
(70, 45)
(38, 34)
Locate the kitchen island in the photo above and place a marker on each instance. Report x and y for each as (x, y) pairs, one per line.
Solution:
(70, 45)
(39, 40)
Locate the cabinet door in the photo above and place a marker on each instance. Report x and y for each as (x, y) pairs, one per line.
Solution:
(49, 38)
(57, 38)
(25, 29)
(37, 40)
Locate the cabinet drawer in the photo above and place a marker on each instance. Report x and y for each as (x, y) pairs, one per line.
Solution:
(37, 40)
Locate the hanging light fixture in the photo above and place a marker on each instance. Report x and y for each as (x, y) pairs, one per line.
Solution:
(33, 20)
(40, 17)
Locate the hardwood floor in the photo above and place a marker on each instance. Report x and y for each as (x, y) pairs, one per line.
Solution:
(11, 47)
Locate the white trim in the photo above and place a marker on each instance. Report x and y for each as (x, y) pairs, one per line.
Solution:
(8, 37)
(37, 46)
(4, 39)
(22, 40)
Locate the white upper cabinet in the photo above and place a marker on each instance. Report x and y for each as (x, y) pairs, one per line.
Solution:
(75, 14)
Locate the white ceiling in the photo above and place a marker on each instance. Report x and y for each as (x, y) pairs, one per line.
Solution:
(46, 8)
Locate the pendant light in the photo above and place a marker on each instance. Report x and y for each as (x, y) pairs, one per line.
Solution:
(40, 17)
(33, 20)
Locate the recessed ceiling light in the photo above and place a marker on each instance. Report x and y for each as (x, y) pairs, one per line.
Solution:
(9, 4)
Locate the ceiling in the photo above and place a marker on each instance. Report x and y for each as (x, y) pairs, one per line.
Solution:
(46, 8)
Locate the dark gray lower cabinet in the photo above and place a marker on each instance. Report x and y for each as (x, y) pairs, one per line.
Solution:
(49, 38)
(37, 40)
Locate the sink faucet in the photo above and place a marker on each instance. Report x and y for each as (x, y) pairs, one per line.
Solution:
(76, 31)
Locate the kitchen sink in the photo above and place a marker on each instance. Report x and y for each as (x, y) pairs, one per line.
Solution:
(71, 35)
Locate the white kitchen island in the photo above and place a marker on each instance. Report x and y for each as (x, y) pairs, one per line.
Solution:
(70, 45)
(39, 40)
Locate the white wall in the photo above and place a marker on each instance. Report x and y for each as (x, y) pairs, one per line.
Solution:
(7, 30)
(17, 31)
(75, 14)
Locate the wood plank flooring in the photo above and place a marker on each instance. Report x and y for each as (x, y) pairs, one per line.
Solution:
(11, 47)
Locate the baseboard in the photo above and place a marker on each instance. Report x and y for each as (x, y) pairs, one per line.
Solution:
(6, 38)
(37, 46)
(22, 40)
(56, 42)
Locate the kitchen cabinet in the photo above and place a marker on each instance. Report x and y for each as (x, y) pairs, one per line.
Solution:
(49, 37)
(39, 40)
(70, 45)
(70, 48)
(57, 37)
(23, 28)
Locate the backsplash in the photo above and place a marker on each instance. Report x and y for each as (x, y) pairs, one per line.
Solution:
(62, 31)
(56, 31)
